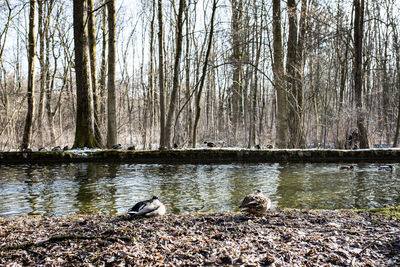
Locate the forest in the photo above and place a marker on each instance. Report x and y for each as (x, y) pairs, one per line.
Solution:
(287, 74)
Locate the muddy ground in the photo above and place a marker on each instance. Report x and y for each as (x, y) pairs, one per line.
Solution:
(282, 238)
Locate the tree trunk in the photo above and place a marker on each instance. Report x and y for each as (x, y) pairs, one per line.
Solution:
(237, 54)
(358, 81)
(254, 91)
(151, 95)
(397, 50)
(103, 68)
(189, 119)
(203, 76)
(26, 140)
(49, 78)
(281, 95)
(43, 72)
(294, 68)
(93, 72)
(175, 82)
(299, 71)
(84, 132)
(111, 100)
(161, 75)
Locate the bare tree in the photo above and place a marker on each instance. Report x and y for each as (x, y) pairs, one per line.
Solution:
(161, 75)
(279, 74)
(84, 132)
(93, 72)
(175, 82)
(111, 100)
(26, 140)
(357, 70)
(203, 75)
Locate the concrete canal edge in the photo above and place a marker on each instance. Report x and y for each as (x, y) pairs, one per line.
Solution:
(207, 156)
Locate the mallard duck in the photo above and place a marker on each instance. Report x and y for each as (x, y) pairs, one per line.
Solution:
(386, 168)
(257, 147)
(56, 149)
(42, 149)
(118, 146)
(148, 208)
(131, 148)
(257, 203)
(66, 148)
(209, 144)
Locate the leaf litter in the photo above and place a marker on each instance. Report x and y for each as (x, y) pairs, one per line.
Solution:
(280, 238)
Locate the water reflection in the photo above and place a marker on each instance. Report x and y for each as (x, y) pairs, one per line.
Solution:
(62, 189)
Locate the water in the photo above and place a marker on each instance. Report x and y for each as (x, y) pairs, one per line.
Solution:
(98, 188)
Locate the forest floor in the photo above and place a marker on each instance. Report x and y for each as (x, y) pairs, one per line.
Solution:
(281, 238)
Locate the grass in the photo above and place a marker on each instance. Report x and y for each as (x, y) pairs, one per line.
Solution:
(387, 211)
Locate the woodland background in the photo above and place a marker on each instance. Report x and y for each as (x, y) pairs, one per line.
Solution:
(292, 74)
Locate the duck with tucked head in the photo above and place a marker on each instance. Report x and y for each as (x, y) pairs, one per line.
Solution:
(256, 204)
(209, 144)
(117, 146)
(389, 168)
(148, 208)
(56, 149)
(346, 167)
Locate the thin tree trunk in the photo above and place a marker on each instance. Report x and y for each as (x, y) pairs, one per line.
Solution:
(151, 94)
(189, 122)
(253, 112)
(175, 82)
(26, 140)
(161, 75)
(237, 54)
(397, 50)
(111, 100)
(43, 72)
(203, 75)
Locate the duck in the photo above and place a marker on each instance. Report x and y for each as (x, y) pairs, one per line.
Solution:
(131, 148)
(209, 144)
(42, 149)
(118, 146)
(270, 146)
(148, 208)
(257, 147)
(27, 149)
(66, 148)
(256, 204)
(386, 168)
(56, 149)
(346, 167)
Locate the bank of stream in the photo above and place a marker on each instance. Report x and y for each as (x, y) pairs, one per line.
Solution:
(281, 238)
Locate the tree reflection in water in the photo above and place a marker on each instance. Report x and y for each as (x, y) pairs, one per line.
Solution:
(108, 188)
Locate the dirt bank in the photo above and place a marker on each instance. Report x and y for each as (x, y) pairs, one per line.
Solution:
(282, 238)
